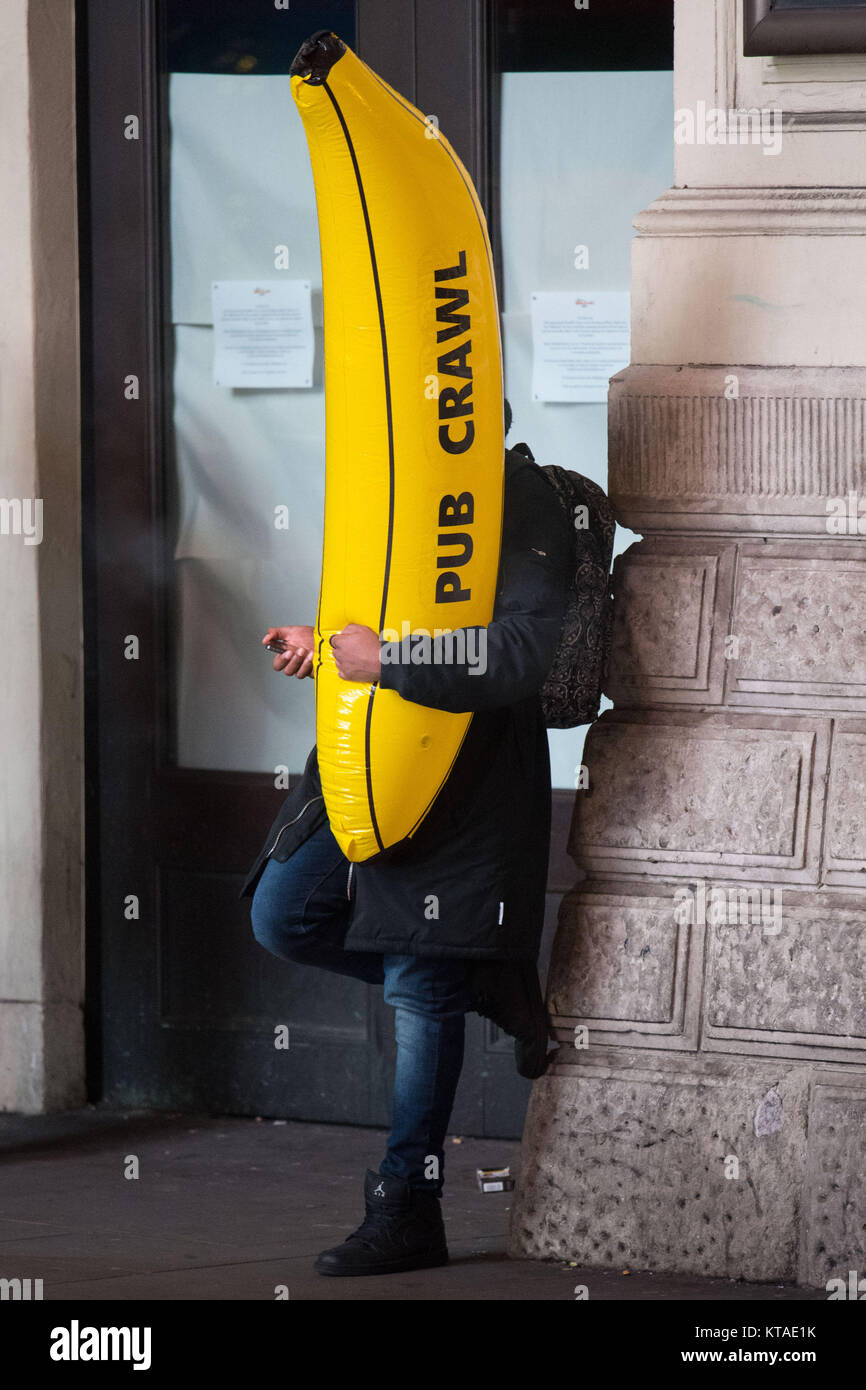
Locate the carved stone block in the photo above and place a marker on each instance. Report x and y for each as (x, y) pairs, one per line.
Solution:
(748, 449)
(845, 834)
(672, 597)
(624, 967)
(792, 985)
(798, 620)
(629, 1167)
(738, 794)
(834, 1225)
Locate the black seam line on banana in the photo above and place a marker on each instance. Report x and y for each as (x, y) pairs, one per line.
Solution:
(473, 198)
(388, 413)
(410, 111)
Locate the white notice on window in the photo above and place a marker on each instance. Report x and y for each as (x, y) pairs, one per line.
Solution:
(263, 333)
(579, 341)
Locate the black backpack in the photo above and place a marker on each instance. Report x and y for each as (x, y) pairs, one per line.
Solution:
(572, 692)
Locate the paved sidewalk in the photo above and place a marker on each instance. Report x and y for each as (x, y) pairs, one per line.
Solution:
(228, 1209)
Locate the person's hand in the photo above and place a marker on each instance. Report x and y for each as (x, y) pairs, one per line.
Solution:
(356, 652)
(298, 643)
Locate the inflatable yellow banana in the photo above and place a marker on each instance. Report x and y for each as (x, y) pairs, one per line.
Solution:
(414, 429)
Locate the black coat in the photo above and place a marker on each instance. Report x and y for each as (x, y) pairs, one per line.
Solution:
(471, 881)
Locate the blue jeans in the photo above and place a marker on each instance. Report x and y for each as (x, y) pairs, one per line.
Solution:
(301, 911)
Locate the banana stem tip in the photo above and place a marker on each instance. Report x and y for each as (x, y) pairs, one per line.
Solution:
(315, 57)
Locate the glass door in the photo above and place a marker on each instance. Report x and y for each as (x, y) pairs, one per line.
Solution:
(205, 485)
(581, 116)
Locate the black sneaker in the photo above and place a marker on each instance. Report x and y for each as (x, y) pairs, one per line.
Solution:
(403, 1230)
(508, 993)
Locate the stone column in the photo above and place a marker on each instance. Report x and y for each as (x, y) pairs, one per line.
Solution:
(41, 923)
(707, 983)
